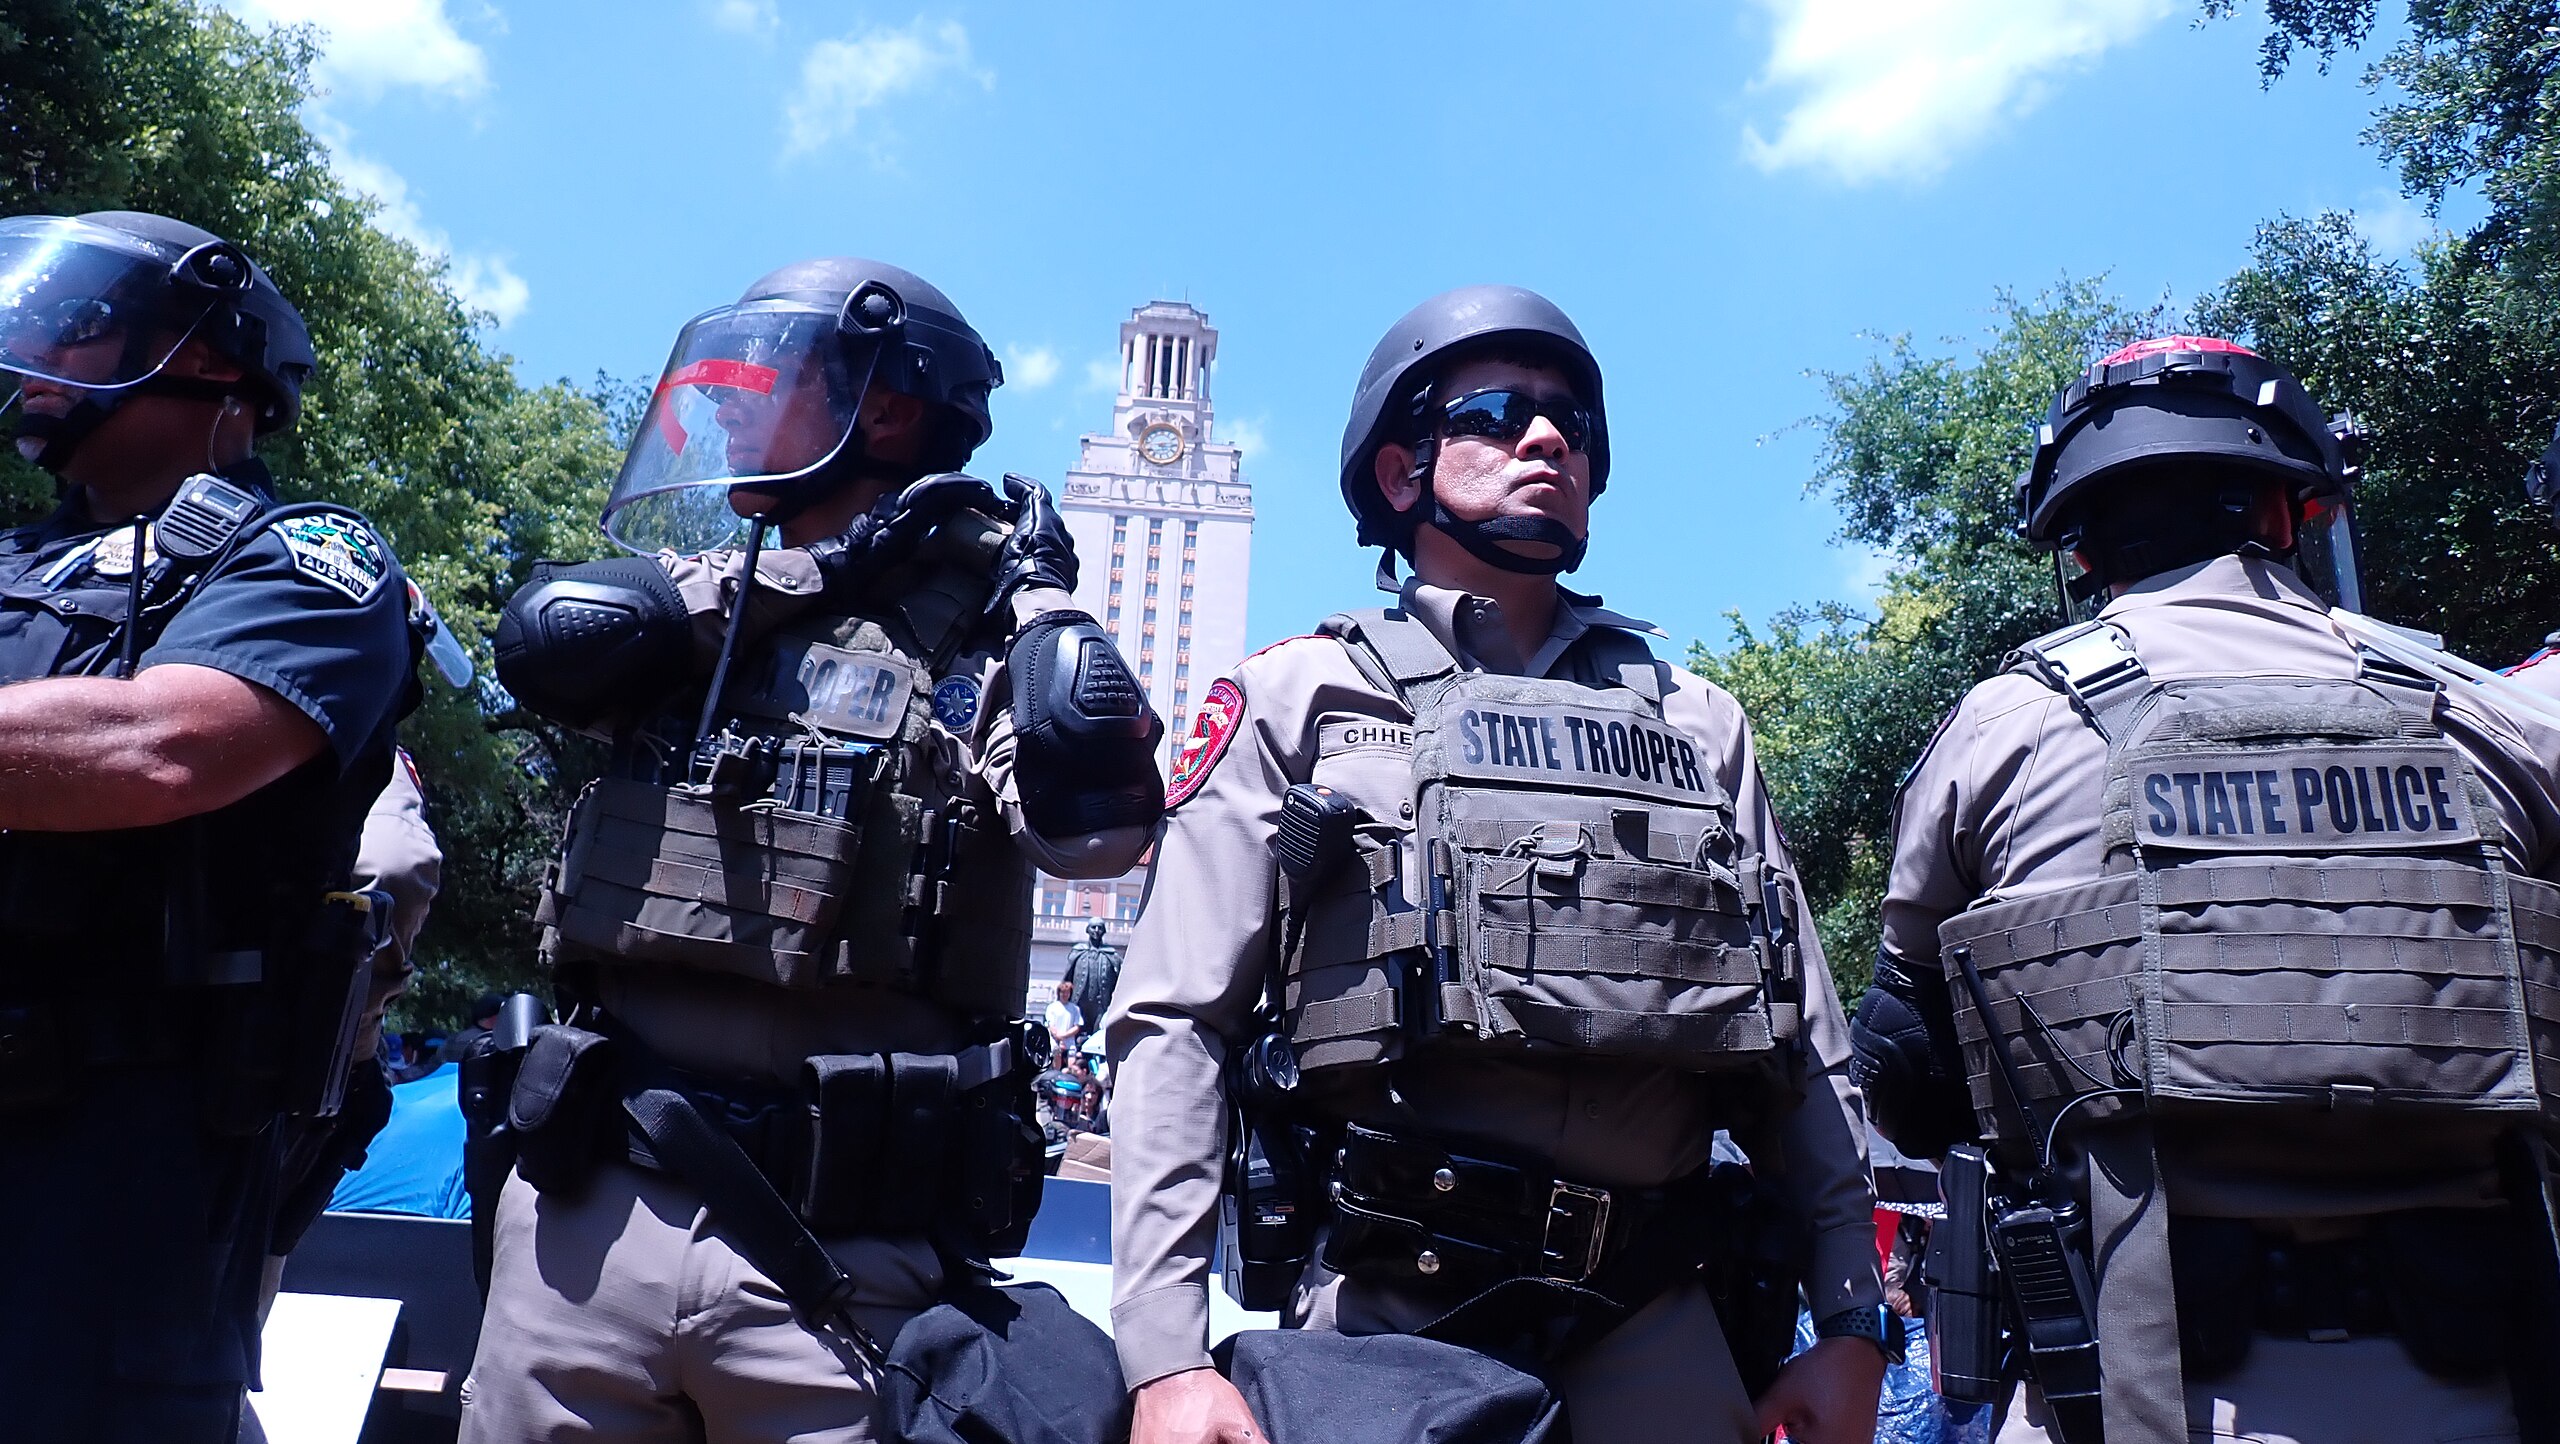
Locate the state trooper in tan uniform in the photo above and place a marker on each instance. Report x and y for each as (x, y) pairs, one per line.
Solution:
(2262, 922)
(790, 1108)
(1556, 945)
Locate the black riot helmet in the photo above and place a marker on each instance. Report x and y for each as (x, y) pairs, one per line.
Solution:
(767, 392)
(102, 301)
(2178, 433)
(1394, 398)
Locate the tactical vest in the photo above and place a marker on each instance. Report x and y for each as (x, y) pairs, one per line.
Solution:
(869, 855)
(1545, 864)
(2305, 909)
(2306, 927)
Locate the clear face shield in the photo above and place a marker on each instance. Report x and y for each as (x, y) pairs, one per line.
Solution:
(758, 397)
(89, 307)
(2324, 540)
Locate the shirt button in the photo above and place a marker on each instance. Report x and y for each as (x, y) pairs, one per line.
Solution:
(1591, 1109)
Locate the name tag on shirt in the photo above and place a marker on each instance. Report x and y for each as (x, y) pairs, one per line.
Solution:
(2308, 799)
(858, 694)
(1557, 746)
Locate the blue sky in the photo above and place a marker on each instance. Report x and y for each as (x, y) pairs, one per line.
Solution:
(1726, 198)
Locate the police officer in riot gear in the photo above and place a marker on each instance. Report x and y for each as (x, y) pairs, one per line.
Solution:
(1484, 911)
(2260, 926)
(790, 1106)
(201, 692)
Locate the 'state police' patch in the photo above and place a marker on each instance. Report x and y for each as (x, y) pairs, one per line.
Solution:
(336, 549)
(955, 703)
(1213, 726)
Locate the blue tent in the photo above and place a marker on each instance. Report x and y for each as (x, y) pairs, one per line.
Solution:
(415, 1164)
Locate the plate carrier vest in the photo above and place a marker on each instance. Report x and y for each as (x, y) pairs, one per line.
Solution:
(876, 858)
(2306, 917)
(1563, 872)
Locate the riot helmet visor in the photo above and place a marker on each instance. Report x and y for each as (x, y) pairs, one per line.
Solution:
(86, 306)
(760, 394)
(2325, 550)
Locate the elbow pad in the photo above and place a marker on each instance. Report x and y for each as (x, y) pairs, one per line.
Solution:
(1084, 756)
(1905, 1057)
(589, 641)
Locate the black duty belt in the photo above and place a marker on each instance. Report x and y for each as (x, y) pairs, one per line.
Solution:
(1409, 1211)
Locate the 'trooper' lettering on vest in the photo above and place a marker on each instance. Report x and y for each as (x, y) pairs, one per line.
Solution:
(2306, 799)
(1563, 747)
(858, 694)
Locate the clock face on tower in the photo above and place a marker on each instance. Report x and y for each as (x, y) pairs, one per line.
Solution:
(1160, 444)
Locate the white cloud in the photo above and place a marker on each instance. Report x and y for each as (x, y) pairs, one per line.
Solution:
(840, 79)
(376, 45)
(1102, 373)
(1886, 88)
(746, 17)
(1247, 434)
(2394, 224)
(1030, 368)
(483, 282)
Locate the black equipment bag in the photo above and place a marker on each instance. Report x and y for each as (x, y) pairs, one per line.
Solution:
(1314, 1386)
(1013, 1365)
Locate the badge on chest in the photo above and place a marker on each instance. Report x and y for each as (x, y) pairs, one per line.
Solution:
(856, 694)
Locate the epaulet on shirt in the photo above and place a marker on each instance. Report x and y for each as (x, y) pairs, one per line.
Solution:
(1213, 726)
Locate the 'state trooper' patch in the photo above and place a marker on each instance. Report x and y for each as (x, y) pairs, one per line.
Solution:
(1545, 743)
(860, 694)
(1212, 728)
(336, 549)
(955, 703)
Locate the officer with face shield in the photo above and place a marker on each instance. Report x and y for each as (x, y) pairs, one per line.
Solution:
(789, 1108)
(201, 691)
(1480, 913)
(2221, 963)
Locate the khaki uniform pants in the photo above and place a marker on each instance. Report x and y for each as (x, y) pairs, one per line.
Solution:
(1663, 1375)
(2293, 1391)
(626, 1314)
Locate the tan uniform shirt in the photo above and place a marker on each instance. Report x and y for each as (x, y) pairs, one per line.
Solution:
(397, 853)
(1204, 946)
(2007, 803)
(722, 1025)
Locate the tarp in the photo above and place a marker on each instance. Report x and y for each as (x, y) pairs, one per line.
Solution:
(415, 1164)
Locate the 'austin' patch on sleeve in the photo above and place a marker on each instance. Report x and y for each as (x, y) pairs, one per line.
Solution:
(336, 549)
(1213, 726)
(2303, 799)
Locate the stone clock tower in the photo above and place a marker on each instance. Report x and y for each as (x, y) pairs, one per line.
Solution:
(1163, 517)
(1163, 522)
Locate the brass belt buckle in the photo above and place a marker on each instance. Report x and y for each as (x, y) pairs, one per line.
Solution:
(1570, 1203)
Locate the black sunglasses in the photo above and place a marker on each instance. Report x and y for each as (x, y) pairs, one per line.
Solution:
(1499, 414)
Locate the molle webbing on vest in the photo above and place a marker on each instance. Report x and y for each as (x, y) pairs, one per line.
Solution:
(1591, 893)
(917, 887)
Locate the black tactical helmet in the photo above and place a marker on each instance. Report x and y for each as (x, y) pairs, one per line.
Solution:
(838, 324)
(2542, 479)
(1397, 382)
(934, 355)
(154, 282)
(2174, 398)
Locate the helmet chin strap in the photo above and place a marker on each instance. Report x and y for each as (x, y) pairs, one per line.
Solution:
(1484, 540)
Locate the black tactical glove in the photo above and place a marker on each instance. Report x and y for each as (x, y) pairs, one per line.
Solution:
(888, 533)
(1040, 553)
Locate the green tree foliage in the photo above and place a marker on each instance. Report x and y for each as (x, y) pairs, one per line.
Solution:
(2448, 363)
(175, 107)
(1921, 452)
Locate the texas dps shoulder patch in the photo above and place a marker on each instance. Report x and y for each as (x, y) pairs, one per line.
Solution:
(1213, 726)
(336, 549)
